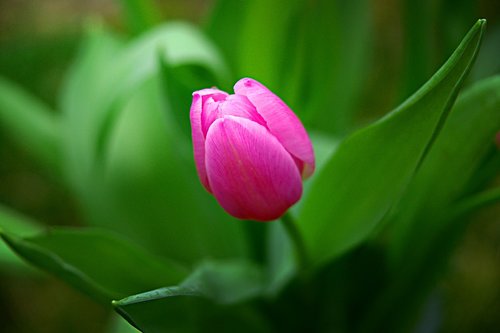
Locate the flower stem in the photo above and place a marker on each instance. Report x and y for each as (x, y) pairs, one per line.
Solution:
(297, 240)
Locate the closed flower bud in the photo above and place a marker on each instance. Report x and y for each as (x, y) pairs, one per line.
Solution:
(251, 150)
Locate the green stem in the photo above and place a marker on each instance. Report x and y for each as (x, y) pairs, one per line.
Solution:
(297, 240)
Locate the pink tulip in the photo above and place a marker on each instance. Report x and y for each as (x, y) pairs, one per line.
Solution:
(251, 150)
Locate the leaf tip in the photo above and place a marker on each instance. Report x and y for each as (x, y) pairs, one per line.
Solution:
(481, 24)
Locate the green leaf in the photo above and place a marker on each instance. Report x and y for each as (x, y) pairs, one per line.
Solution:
(262, 28)
(152, 193)
(180, 82)
(324, 147)
(224, 22)
(421, 20)
(278, 43)
(83, 94)
(200, 301)
(464, 142)
(32, 124)
(488, 62)
(280, 265)
(412, 281)
(106, 72)
(140, 15)
(131, 168)
(13, 222)
(426, 228)
(34, 61)
(120, 325)
(334, 63)
(370, 169)
(98, 263)
(281, 262)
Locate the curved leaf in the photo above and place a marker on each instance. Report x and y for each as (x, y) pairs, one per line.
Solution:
(200, 301)
(335, 62)
(371, 168)
(81, 101)
(466, 138)
(99, 263)
(130, 167)
(107, 71)
(148, 181)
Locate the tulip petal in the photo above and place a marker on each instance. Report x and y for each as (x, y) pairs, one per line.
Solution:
(281, 121)
(233, 105)
(249, 171)
(196, 130)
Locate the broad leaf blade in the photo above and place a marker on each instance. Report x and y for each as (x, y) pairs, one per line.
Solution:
(335, 62)
(199, 300)
(81, 101)
(426, 228)
(132, 168)
(420, 20)
(107, 72)
(179, 84)
(262, 39)
(464, 142)
(99, 263)
(224, 22)
(149, 181)
(370, 169)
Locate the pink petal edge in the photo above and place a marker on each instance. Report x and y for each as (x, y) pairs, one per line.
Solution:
(281, 121)
(234, 105)
(197, 134)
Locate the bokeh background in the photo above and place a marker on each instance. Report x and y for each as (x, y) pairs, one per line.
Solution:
(39, 40)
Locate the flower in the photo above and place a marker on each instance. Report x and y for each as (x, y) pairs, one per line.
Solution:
(250, 149)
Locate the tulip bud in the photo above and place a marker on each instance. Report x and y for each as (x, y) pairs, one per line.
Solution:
(251, 151)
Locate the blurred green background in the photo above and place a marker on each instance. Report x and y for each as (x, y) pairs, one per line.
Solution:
(39, 40)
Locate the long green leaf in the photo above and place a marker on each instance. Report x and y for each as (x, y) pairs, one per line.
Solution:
(32, 124)
(223, 24)
(200, 301)
(152, 193)
(369, 170)
(335, 62)
(180, 82)
(81, 101)
(428, 221)
(320, 75)
(132, 168)
(106, 72)
(409, 287)
(466, 138)
(99, 263)
(420, 21)
(262, 39)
